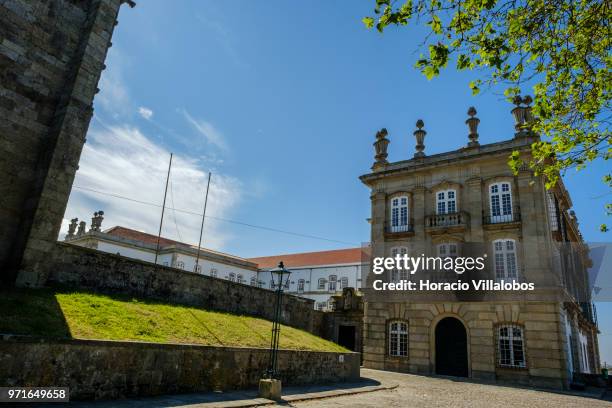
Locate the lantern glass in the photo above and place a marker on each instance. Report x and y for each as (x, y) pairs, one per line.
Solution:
(280, 276)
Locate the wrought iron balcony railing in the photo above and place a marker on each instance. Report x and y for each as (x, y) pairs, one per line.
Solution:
(446, 220)
(501, 218)
(398, 229)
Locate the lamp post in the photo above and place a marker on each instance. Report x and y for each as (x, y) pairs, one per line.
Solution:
(280, 277)
(270, 386)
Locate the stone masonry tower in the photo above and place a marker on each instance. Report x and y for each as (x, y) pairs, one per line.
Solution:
(52, 53)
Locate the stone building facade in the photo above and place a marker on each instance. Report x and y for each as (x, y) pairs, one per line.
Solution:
(51, 56)
(316, 275)
(447, 203)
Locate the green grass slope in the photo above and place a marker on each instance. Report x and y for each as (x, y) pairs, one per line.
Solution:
(85, 315)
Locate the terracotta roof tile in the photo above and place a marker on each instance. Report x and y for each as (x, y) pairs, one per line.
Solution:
(140, 236)
(334, 257)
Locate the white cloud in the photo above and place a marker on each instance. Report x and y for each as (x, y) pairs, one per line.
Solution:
(113, 97)
(145, 112)
(206, 129)
(123, 161)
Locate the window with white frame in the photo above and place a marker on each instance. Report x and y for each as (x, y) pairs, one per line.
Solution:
(240, 278)
(321, 306)
(197, 268)
(398, 274)
(165, 263)
(300, 285)
(343, 282)
(504, 251)
(253, 281)
(446, 202)
(213, 272)
(331, 305)
(232, 277)
(511, 346)
(500, 199)
(398, 339)
(399, 214)
(584, 353)
(553, 211)
(321, 284)
(180, 265)
(448, 250)
(333, 280)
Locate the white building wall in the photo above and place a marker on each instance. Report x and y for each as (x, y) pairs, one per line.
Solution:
(179, 260)
(130, 252)
(311, 276)
(209, 268)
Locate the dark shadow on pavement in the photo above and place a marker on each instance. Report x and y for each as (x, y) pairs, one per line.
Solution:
(225, 399)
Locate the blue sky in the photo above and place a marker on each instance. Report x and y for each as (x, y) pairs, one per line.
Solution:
(281, 101)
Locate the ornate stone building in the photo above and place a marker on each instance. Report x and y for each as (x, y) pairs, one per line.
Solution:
(448, 204)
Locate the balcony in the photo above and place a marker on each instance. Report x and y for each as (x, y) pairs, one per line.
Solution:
(399, 231)
(492, 221)
(439, 223)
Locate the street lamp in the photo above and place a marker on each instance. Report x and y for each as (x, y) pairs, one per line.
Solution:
(270, 386)
(280, 278)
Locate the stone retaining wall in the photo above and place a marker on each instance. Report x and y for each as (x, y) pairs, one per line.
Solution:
(85, 268)
(110, 370)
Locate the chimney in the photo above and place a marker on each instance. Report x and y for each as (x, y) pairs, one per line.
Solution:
(523, 118)
(380, 149)
(419, 134)
(472, 123)
(96, 221)
(72, 228)
(82, 228)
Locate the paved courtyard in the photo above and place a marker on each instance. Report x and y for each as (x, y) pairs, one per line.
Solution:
(419, 391)
(379, 389)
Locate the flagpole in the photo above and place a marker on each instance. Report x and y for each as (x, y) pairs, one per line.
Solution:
(161, 221)
(203, 216)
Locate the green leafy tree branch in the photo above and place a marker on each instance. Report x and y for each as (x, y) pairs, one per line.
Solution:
(559, 47)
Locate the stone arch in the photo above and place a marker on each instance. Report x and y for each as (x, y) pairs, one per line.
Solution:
(432, 336)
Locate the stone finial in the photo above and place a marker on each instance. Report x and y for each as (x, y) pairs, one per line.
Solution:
(419, 134)
(380, 148)
(523, 118)
(472, 123)
(96, 221)
(72, 228)
(82, 228)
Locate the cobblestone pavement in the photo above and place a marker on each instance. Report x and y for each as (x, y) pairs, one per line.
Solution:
(429, 392)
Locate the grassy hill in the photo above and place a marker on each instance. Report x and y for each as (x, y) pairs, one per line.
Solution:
(85, 315)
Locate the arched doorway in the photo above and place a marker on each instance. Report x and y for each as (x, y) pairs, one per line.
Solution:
(451, 348)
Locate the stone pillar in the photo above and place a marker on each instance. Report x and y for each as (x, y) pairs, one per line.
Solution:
(536, 256)
(473, 205)
(419, 211)
(62, 142)
(373, 322)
